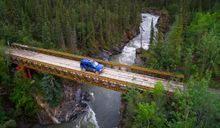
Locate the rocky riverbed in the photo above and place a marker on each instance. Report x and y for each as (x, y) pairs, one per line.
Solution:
(72, 107)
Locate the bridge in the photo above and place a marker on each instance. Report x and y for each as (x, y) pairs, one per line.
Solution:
(115, 76)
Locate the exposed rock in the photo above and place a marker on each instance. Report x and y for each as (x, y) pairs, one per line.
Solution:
(117, 49)
(104, 55)
(128, 35)
(70, 108)
(139, 51)
(153, 11)
(139, 61)
(163, 21)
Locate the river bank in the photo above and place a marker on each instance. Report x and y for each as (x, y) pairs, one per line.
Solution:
(106, 104)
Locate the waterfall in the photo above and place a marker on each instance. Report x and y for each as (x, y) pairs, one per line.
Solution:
(128, 54)
(103, 110)
(107, 102)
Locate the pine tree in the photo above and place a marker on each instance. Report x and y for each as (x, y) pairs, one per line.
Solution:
(58, 24)
(45, 36)
(152, 33)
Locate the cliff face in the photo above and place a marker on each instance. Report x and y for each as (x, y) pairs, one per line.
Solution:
(71, 106)
(162, 26)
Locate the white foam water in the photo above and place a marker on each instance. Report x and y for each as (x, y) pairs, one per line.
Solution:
(88, 120)
(106, 104)
(128, 54)
(104, 108)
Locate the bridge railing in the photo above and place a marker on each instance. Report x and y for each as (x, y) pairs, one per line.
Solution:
(140, 70)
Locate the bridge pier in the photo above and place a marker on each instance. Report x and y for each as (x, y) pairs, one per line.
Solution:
(25, 71)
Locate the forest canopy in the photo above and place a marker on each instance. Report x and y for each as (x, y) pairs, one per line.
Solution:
(187, 42)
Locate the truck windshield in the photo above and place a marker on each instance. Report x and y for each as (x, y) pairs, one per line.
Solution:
(95, 64)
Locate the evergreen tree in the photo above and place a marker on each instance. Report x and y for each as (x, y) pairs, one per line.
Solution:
(152, 32)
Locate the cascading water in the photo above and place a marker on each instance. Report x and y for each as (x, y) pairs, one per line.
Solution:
(106, 103)
(128, 54)
(104, 108)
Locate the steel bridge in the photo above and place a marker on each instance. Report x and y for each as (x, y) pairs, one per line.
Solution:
(115, 76)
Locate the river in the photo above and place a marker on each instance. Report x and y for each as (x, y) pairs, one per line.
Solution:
(104, 107)
(106, 103)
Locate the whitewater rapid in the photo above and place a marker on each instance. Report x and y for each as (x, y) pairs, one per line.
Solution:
(104, 108)
(106, 103)
(128, 54)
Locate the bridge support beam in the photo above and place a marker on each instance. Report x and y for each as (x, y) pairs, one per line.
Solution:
(25, 71)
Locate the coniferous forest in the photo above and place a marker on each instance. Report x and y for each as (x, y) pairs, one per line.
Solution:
(187, 42)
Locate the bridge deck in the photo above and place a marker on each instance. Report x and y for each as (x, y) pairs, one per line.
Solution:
(126, 76)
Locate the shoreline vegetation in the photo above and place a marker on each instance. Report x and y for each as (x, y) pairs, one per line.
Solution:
(187, 42)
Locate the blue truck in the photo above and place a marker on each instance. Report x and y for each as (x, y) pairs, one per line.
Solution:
(91, 65)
